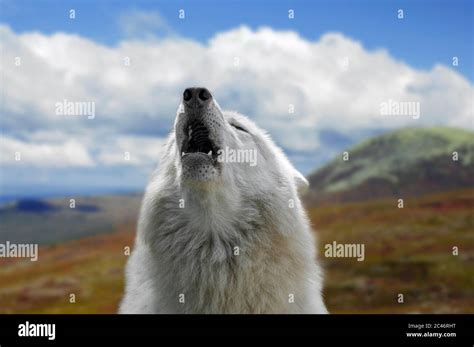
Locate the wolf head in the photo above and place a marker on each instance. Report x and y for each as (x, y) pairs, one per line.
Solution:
(225, 148)
(219, 176)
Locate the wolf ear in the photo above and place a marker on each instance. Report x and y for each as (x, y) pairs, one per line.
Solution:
(301, 182)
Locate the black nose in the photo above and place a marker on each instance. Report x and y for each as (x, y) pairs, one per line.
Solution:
(196, 97)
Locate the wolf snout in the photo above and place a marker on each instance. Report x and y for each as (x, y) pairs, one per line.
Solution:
(196, 97)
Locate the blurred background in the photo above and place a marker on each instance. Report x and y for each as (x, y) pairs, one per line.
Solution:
(371, 100)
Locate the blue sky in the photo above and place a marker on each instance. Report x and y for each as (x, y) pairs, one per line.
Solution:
(281, 62)
(431, 32)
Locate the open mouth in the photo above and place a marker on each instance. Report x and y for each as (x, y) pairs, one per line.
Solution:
(197, 140)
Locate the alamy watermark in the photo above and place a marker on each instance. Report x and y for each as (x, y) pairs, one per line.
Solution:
(400, 108)
(19, 250)
(345, 250)
(229, 155)
(75, 108)
(28, 329)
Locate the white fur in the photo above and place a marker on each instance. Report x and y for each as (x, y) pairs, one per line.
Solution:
(190, 250)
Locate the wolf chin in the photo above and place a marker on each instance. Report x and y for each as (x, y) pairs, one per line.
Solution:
(222, 237)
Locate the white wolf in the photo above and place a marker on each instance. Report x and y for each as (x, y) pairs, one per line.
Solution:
(220, 237)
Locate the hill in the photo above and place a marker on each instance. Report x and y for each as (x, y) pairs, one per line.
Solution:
(52, 220)
(403, 163)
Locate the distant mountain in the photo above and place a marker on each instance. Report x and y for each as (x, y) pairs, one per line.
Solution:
(48, 221)
(403, 163)
(34, 206)
(44, 206)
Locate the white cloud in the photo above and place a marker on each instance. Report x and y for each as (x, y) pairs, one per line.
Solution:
(131, 150)
(60, 155)
(257, 72)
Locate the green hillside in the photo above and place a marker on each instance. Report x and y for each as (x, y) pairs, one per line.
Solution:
(407, 162)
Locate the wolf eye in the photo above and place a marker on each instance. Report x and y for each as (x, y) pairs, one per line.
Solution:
(239, 128)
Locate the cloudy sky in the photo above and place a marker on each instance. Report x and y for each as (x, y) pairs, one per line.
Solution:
(315, 82)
